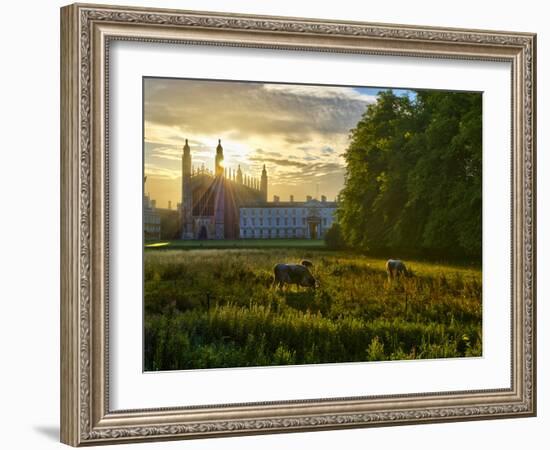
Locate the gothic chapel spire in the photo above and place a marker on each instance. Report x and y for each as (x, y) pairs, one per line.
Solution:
(219, 158)
(263, 184)
(186, 159)
(239, 175)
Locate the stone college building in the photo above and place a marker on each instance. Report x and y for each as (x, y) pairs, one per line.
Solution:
(226, 204)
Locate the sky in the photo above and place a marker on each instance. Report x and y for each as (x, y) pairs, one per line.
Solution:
(300, 132)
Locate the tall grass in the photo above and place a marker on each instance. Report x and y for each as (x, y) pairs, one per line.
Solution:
(216, 308)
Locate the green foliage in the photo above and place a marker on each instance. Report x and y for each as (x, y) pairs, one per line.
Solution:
(375, 351)
(413, 179)
(216, 308)
(334, 239)
(169, 223)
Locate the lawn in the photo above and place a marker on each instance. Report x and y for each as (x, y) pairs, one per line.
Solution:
(212, 307)
(239, 243)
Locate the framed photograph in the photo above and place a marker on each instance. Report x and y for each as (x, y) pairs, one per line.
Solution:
(279, 224)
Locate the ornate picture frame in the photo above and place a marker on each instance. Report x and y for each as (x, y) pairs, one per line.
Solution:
(87, 31)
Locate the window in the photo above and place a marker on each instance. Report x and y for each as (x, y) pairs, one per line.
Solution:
(244, 221)
(262, 222)
(294, 221)
(278, 221)
(303, 220)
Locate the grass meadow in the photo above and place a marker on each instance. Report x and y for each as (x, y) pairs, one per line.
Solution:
(215, 307)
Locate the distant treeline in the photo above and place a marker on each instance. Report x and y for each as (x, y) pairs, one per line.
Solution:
(413, 179)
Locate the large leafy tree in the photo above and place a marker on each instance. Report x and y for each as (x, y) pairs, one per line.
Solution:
(413, 178)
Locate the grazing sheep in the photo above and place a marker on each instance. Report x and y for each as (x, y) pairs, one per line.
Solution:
(395, 269)
(297, 274)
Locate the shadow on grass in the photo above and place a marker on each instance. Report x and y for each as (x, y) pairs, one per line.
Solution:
(302, 300)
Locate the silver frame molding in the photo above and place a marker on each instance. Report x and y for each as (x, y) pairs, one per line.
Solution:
(86, 32)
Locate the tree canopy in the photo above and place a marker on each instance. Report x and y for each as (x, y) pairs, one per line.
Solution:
(413, 181)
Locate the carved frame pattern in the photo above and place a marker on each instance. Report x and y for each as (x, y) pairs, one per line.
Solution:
(85, 415)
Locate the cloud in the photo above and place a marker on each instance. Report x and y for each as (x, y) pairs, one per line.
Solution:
(248, 108)
(155, 171)
(323, 92)
(312, 179)
(278, 162)
(297, 131)
(263, 152)
(170, 153)
(290, 139)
